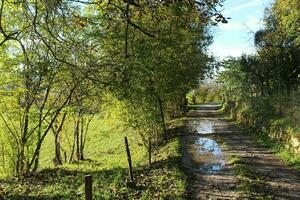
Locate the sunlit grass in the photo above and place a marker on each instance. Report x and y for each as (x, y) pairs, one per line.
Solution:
(105, 144)
(107, 162)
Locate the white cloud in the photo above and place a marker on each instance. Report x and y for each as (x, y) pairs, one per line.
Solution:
(225, 51)
(242, 6)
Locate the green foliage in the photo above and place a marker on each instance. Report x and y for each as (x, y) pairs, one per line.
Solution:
(278, 46)
(209, 92)
(66, 59)
(288, 16)
(150, 96)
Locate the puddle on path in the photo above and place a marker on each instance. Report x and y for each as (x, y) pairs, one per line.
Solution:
(202, 153)
(202, 126)
(211, 150)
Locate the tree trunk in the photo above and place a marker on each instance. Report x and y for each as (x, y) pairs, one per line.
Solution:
(22, 158)
(56, 132)
(36, 161)
(162, 118)
(57, 150)
(74, 142)
(262, 88)
(77, 139)
(81, 143)
(39, 132)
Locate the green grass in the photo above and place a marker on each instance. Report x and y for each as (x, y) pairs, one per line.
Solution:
(106, 160)
(105, 144)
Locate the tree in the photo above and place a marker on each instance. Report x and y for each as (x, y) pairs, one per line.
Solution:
(147, 54)
(279, 42)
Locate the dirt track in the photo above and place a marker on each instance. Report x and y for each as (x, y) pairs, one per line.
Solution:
(224, 162)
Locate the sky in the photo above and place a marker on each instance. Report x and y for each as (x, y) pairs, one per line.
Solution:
(236, 37)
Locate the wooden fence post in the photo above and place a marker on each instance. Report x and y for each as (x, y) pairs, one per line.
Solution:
(149, 151)
(129, 159)
(88, 187)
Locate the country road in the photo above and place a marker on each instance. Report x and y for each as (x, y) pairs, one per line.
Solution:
(222, 161)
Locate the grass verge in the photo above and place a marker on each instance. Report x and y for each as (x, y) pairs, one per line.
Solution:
(106, 161)
(163, 181)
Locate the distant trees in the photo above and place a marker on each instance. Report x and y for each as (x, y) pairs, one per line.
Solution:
(206, 92)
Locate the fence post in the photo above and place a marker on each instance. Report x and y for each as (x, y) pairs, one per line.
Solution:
(88, 187)
(149, 151)
(129, 159)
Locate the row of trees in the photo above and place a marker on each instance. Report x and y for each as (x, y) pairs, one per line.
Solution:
(205, 93)
(274, 70)
(60, 59)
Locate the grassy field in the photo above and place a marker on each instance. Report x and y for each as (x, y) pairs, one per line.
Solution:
(106, 160)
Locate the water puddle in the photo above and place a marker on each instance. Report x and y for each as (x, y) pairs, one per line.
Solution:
(211, 153)
(203, 154)
(202, 126)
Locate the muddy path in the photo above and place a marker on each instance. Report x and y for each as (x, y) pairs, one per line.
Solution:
(223, 161)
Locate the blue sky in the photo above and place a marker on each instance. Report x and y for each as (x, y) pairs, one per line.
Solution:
(236, 37)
